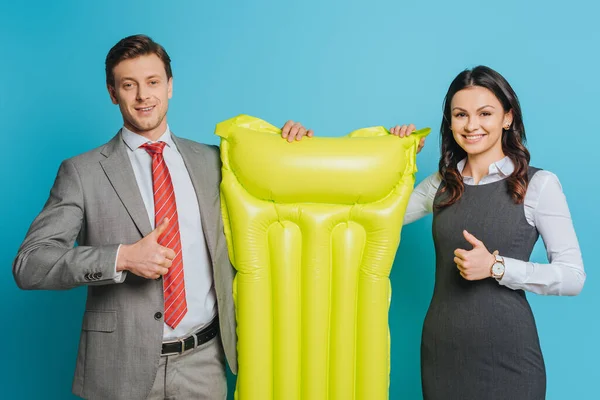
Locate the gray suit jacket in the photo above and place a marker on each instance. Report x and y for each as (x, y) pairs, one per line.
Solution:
(95, 201)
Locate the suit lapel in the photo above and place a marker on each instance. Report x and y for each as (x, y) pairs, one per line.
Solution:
(117, 167)
(195, 162)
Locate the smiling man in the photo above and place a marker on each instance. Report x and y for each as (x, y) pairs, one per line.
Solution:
(145, 211)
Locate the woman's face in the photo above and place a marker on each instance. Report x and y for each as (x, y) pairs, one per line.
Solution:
(477, 119)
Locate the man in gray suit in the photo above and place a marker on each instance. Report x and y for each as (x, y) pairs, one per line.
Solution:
(107, 201)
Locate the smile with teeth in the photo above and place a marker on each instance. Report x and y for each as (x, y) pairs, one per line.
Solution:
(473, 137)
(146, 109)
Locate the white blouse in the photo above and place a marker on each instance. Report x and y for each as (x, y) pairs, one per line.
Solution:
(546, 209)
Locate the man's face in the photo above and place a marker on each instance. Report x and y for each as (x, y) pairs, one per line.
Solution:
(142, 91)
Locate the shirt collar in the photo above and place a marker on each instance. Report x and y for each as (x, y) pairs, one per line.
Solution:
(134, 141)
(503, 167)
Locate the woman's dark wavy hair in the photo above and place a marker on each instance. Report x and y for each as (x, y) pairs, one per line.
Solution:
(513, 139)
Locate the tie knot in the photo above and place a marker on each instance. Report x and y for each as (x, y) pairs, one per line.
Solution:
(154, 148)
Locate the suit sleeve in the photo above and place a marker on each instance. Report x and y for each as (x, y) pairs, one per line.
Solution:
(47, 258)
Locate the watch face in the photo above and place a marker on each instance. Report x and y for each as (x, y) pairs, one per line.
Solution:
(498, 269)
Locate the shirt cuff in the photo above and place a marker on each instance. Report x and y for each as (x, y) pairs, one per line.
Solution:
(515, 273)
(120, 276)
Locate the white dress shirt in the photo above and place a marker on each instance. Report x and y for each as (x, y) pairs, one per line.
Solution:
(546, 209)
(199, 288)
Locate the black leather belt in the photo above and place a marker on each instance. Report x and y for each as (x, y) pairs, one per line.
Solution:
(191, 342)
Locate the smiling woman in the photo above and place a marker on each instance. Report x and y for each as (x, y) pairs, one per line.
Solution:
(479, 108)
(480, 339)
(478, 119)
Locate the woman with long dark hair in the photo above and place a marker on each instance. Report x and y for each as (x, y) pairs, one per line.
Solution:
(480, 341)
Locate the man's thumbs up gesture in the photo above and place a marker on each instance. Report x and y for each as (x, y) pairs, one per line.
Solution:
(474, 264)
(147, 258)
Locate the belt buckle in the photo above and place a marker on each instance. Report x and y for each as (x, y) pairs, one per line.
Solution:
(182, 341)
(175, 353)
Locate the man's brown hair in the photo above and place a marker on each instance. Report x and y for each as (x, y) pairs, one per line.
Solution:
(132, 47)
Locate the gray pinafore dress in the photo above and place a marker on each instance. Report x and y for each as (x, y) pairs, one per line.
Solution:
(480, 340)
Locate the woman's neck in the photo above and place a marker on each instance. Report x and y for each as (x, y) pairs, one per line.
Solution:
(478, 165)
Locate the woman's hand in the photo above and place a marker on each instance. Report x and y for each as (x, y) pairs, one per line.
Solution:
(295, 131)
(475, 264)
(405, 130)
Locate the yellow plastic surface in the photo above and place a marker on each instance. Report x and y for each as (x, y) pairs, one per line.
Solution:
(312, 228)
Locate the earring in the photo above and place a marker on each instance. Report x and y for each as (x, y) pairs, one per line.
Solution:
(506, 126)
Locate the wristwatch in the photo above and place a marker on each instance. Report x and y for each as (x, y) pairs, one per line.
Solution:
(498, 267)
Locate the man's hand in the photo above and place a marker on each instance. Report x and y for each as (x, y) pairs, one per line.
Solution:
(406, 130)
(295, 131)
(474, 264)
(147, 258)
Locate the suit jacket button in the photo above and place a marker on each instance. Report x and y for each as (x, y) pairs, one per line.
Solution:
(98, 275)
(87, 277)
(157, 316)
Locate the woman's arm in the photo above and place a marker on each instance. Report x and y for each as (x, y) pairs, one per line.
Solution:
(421, 200)
(546, 208)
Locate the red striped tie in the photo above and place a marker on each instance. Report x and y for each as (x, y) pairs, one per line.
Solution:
(165, 207)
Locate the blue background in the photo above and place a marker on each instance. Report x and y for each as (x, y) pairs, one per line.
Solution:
(334, 65)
